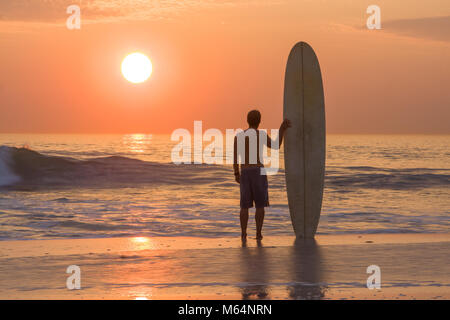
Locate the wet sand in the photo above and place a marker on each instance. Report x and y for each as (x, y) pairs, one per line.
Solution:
(413, 266)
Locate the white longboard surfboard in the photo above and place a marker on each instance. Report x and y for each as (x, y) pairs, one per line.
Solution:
(304, 147)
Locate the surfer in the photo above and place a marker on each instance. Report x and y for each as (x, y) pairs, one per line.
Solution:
(253, 183)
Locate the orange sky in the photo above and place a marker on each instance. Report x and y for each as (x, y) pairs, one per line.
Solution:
(214, 60)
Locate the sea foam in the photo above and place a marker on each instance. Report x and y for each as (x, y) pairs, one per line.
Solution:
(7, 177)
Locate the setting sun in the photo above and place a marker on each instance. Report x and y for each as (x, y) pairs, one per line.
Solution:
(136, 67)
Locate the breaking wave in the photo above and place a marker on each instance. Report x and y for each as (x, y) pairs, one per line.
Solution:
(21, 166)
(25, 167)
(7, 176)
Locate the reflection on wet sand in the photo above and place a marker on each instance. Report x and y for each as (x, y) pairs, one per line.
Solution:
(254, 283)
(164, 268)
(306, 271)
(267, 269)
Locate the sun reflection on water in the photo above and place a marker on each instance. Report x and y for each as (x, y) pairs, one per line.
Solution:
(137, 143)
(141, 243)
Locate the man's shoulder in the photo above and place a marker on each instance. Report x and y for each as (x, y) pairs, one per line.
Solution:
(240, 133)
(247, 133)
(262, 132)
(251, 132)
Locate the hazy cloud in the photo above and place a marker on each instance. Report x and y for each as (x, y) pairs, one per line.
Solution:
(433, 28)
(51, 11)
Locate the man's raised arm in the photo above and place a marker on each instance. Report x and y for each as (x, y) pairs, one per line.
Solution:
(284, 125)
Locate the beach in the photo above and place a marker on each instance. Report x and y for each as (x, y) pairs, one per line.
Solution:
(413, 266)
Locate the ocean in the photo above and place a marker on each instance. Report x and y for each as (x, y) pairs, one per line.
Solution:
(91, 186)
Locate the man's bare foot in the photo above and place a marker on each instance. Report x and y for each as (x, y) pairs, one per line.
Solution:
(259, 237)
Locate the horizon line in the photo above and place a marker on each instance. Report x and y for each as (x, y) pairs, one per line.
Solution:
(169, 133)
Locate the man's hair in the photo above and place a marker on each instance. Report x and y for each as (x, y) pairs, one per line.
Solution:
(254, 118)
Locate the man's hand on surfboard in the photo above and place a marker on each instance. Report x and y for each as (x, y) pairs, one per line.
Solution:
(285, 124)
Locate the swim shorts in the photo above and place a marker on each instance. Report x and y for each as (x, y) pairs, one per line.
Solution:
(254, 188)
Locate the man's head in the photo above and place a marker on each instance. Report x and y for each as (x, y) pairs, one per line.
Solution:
(254, 118)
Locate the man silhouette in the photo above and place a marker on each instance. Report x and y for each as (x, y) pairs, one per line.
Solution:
(252, 180)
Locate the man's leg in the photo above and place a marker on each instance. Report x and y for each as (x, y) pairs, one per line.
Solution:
(259, 218)
(244, 221)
